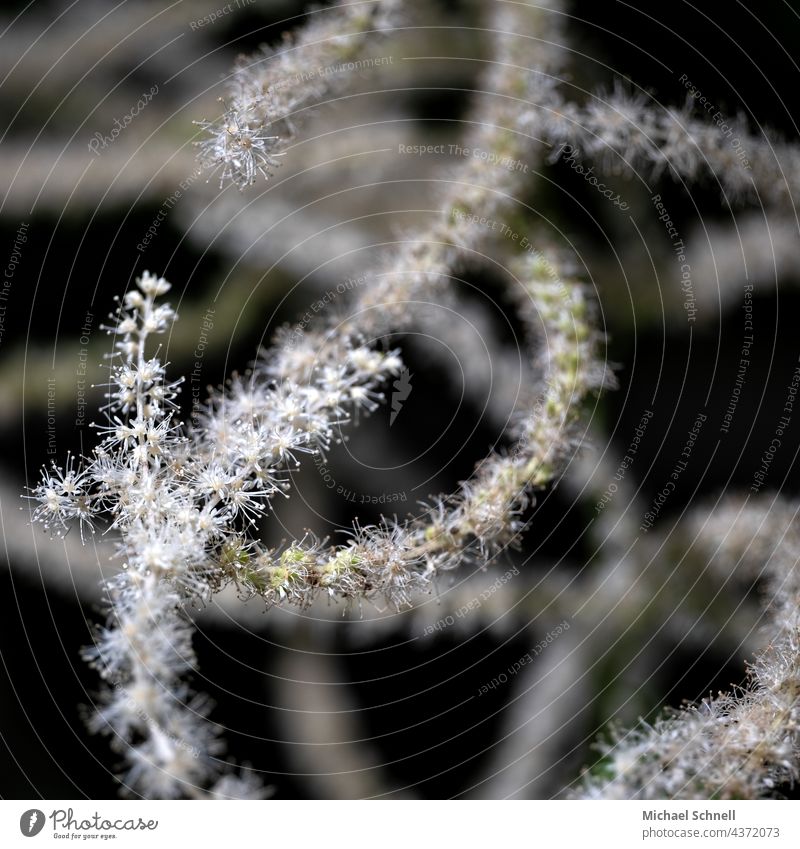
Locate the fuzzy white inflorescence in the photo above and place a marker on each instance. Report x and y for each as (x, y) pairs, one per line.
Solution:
(742, 744)
(183, 504)
(626, 131)
(268, 92)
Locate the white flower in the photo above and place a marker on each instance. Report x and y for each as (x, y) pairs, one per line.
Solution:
(240, 147)
(152, 285)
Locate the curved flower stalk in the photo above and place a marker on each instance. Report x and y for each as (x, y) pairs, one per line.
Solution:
(740, 745)
(394, 562)
(481, 194)
(183, 504)
(520, 83)
(268, 92)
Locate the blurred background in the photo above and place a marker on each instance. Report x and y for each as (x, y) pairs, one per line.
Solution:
(331, 703)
